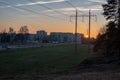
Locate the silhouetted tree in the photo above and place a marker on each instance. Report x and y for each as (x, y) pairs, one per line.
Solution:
(112, 13)
(110, 40)
(11, 30)
(24, 30)
(5, 38)
(101, 39)
(23, 34)
(12, 34)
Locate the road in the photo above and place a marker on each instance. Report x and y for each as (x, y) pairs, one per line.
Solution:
(31, 46)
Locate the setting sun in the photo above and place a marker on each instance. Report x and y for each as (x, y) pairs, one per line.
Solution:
(86, 36)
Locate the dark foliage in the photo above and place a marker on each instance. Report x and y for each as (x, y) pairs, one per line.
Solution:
(109, 42)
(12, 37)
(21, 38)
(4, 38)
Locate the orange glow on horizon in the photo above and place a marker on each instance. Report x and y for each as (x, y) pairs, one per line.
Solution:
(86, 36)
(50, 26)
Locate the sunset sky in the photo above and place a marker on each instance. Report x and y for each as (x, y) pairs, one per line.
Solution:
(50, 15)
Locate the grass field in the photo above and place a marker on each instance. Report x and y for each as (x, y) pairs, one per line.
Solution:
(40, 60)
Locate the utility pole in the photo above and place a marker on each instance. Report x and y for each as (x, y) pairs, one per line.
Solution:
(76, 24)
(89, 31)
(76, 31)
(89, 35)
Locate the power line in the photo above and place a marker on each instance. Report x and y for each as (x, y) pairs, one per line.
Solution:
(76, 25)
(49, 8)
(70, 4)
(28, 10)
(89, 29)
(76, 22)
(73, 6)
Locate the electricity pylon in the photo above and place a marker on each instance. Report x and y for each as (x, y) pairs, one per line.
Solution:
(76, 25)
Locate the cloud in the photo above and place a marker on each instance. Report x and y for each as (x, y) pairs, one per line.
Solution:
(41, 2)
(34, 3)
(66, 9)
(71, 11)
(96, 7)
(98, 1)
(62, 10)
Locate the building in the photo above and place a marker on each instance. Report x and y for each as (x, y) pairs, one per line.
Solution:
(32, 38)
(41, 35)
(79, 38)
(61, 37)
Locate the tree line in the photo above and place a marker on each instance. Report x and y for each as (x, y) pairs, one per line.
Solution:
(108, 39)
(11, 36)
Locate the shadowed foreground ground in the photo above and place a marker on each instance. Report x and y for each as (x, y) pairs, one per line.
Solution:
(95, 68)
